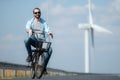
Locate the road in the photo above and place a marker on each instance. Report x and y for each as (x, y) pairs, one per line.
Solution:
(80, 77)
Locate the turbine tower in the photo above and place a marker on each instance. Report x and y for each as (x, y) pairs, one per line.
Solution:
(89, 30)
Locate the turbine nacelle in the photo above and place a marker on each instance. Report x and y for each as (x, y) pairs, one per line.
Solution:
(84, 26)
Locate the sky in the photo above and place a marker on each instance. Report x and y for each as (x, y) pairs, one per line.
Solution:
(63, 17)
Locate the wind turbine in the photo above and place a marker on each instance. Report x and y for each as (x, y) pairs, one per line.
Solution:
(89, 30)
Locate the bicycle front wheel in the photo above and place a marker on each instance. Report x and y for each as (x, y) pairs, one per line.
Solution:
(32, 69)
(40, 68)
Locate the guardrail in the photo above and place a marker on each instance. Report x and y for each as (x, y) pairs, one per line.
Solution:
(8, 70)
(5, 65)
(11, 70)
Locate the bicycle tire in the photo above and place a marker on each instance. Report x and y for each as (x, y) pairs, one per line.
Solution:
(39, 69)
(32, 70)
(46, 59)
(33, 63)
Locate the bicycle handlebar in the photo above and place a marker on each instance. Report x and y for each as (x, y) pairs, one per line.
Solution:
(49, 35)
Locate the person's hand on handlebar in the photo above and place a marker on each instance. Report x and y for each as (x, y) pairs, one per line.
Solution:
(29, 31)
(51, 34)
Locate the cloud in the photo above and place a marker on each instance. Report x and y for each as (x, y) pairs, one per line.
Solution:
(9, 41)
(59, 9)
(11, 37)
(116, 5)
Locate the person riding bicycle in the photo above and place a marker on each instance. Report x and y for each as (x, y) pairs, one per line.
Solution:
(36, 25)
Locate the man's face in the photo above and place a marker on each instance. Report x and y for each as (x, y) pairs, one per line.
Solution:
(37, 13)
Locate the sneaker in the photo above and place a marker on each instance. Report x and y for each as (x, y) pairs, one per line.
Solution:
(29, 58)
(45, 71)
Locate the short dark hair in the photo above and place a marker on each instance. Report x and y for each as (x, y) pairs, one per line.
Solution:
(37, 8)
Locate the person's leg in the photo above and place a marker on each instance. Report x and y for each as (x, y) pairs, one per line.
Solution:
(47, 58)
(30, 41)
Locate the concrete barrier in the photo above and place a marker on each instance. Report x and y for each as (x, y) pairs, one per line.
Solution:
(10, 70)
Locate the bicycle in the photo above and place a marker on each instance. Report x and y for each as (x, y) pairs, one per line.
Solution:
(40, 58)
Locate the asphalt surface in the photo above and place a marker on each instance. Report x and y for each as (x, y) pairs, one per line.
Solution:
(79, 77)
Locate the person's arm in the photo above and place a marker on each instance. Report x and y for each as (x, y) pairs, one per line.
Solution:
(28, 29)
(47, 30)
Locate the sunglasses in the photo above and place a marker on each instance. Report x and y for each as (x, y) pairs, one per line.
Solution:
(36, 12)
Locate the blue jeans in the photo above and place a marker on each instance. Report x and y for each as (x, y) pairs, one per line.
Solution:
(32, 41)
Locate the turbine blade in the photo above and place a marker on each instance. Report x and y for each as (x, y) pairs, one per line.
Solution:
(92, 55)
(92, 37)
(100, 29)
(90, 13)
